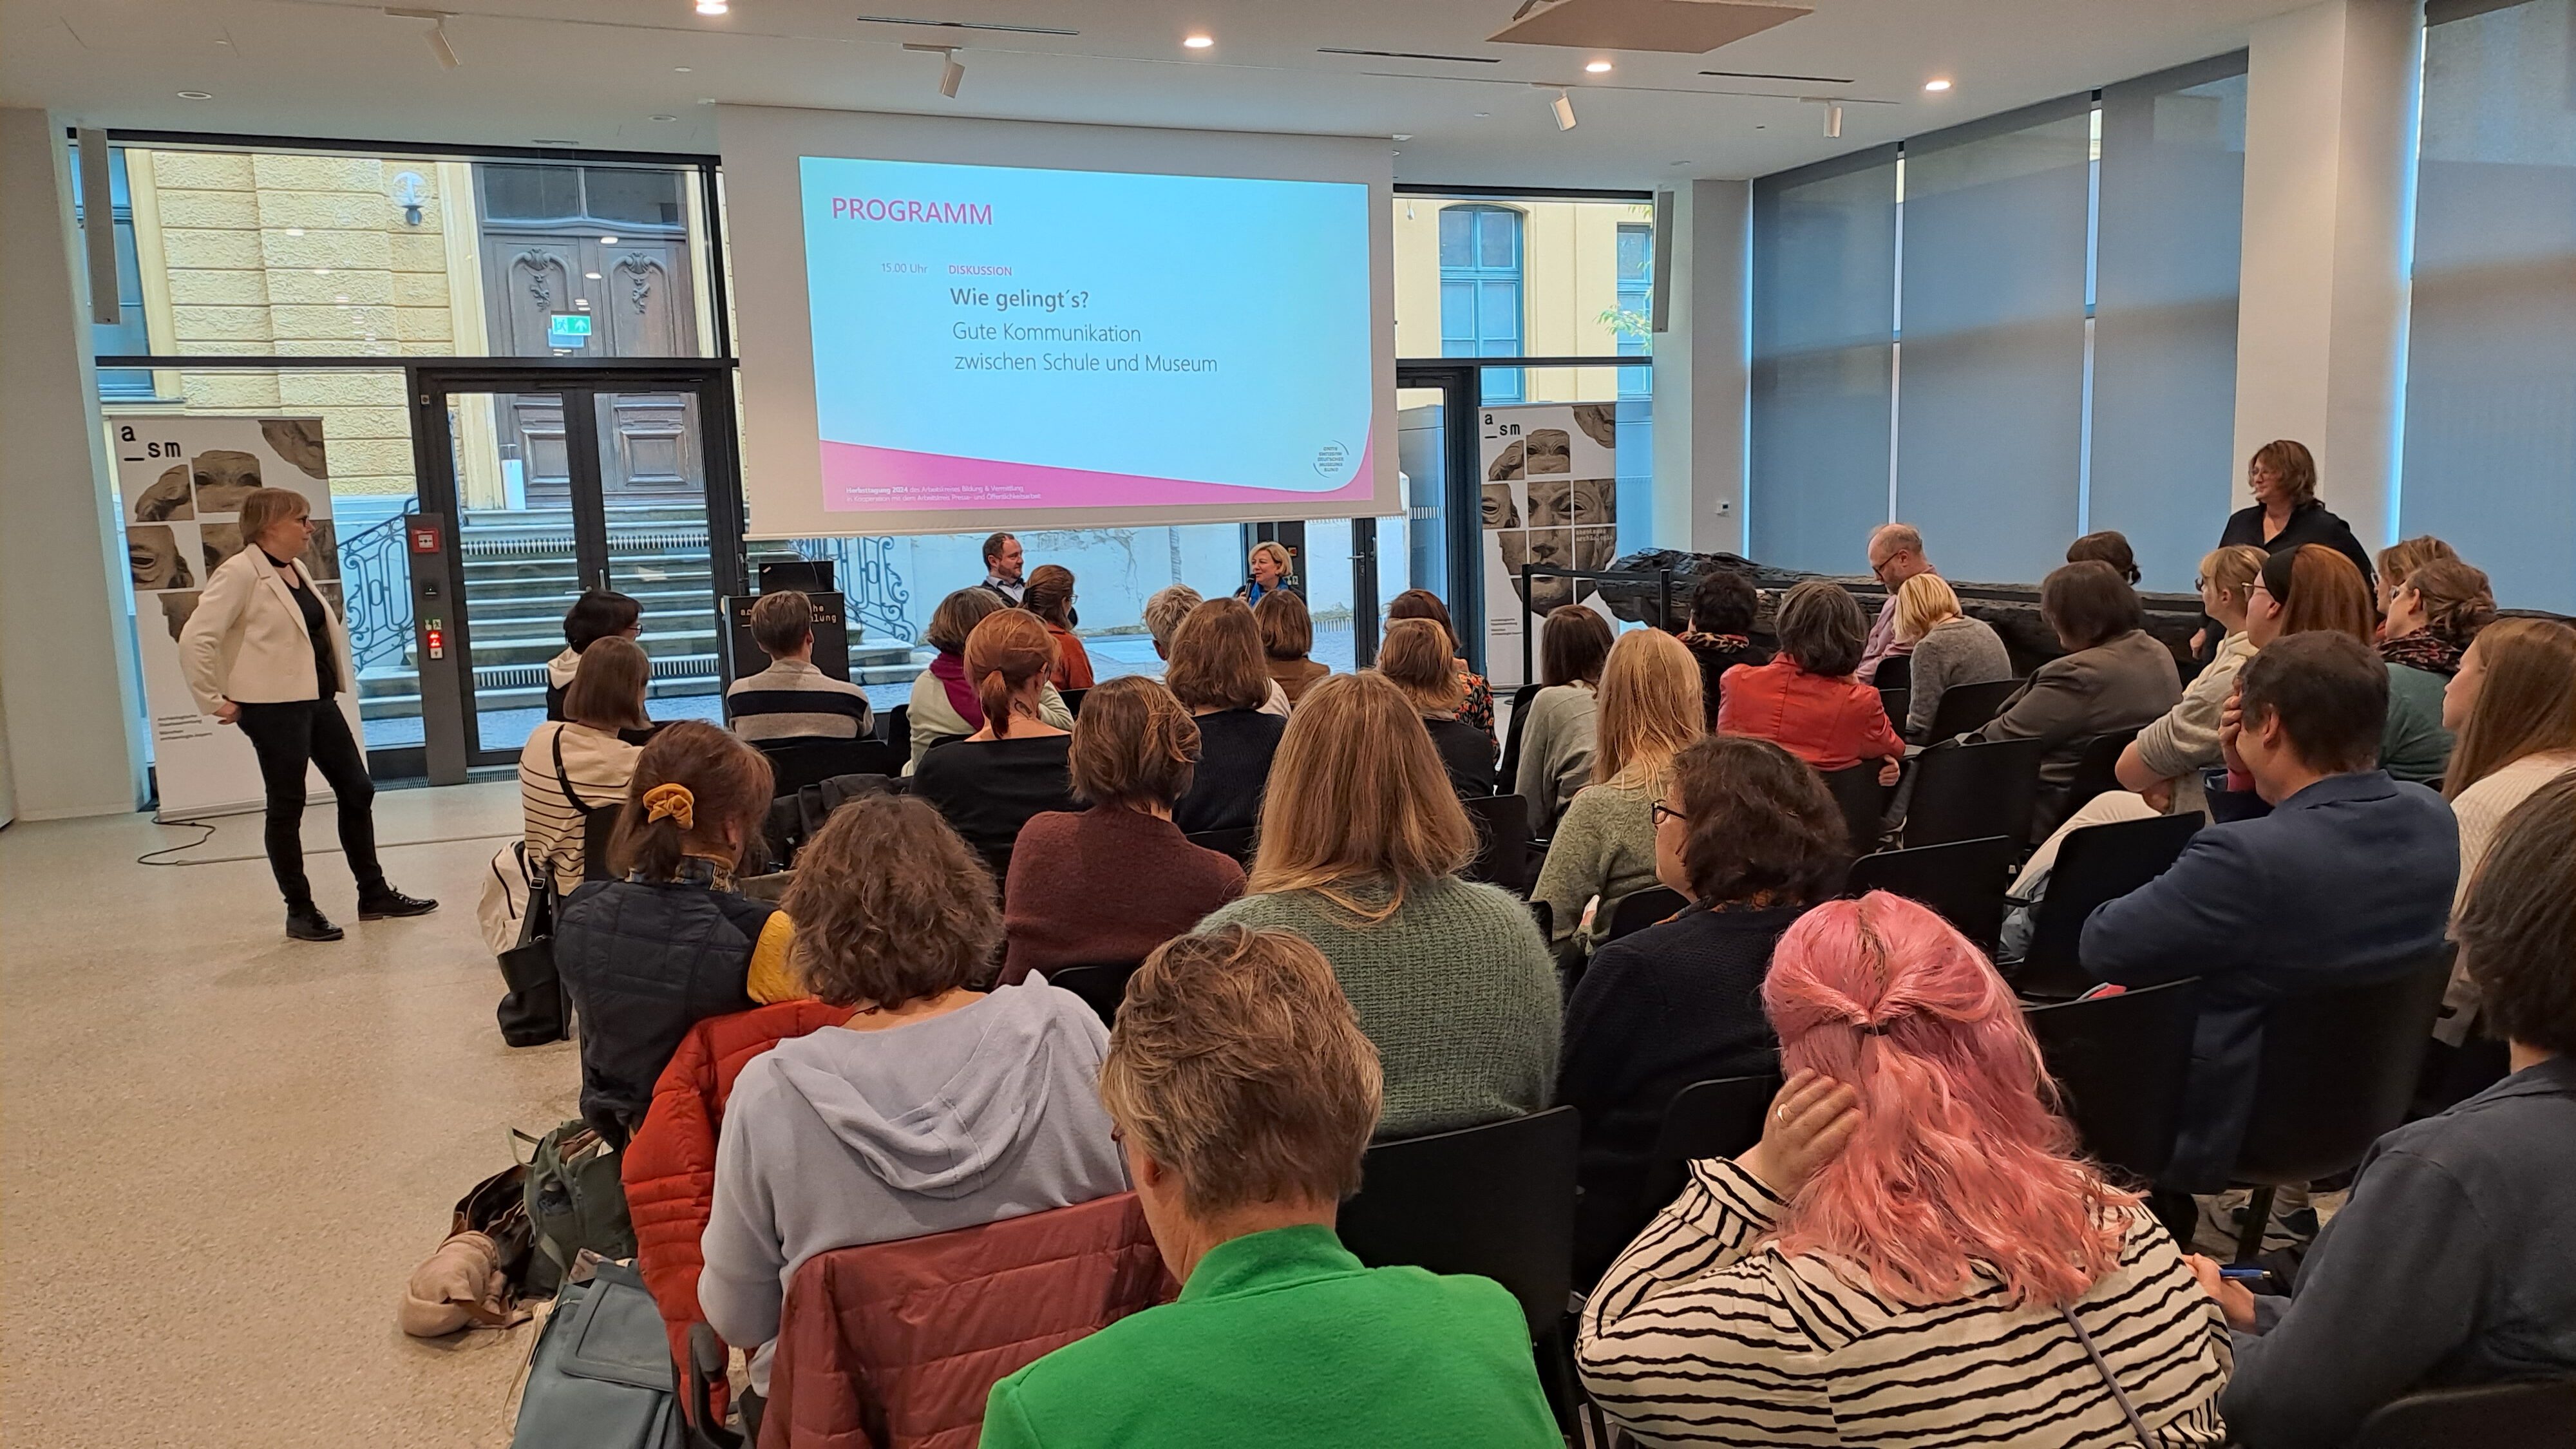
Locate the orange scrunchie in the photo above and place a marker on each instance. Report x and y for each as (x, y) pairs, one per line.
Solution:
(674, 801)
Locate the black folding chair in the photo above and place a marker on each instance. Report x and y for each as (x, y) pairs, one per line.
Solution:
(598, 829)
(1963, 881)
(2536, 1415)
(2095, 864)
(895, 728)
(1637, 910)
(1966, 707)
(1716, 1118)
(1101, 987)
(1510, 770)
(2121, 1063)
(1073, 700)
(2339, 1067)
(1502, 841)
(1968, 792)
(1237, 842)
(1896, 671)
(1898, 703)
(2098, 771)
(1496, 1201)
(1863, 801)
(795, 764)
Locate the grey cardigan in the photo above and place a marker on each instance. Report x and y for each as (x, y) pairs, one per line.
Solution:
(1556, 752)
(1959, 650)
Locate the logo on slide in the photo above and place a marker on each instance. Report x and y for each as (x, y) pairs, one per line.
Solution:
(1332, 460)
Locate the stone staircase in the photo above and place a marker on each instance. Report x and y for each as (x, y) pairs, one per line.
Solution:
(520, 576)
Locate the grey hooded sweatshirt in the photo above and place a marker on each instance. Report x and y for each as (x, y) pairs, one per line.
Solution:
(842, 1137)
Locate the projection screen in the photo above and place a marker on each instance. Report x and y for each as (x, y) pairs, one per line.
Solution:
(964, 325)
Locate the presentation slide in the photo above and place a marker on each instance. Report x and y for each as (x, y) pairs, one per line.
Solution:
(1009, 338)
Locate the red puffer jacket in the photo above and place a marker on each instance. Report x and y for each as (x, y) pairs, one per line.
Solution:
(670, 1166)
(897, 1345)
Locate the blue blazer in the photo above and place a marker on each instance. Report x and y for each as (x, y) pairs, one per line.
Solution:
(2348, 879)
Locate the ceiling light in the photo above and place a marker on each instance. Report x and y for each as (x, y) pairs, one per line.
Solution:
(1598, 67)
(196, 95)
(1563, 105)
(1199, 42)
(1402, 136)
(1936, 85)
(953, 75)
(608, 241)
(439, 47)
(1833, 122)
(712, 7)
(666, 118)
(679, 70)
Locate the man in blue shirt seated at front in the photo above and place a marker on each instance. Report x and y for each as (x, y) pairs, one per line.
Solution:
(2321, 871)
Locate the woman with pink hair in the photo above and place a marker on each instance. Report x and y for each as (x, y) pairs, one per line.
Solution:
(1913, 1253)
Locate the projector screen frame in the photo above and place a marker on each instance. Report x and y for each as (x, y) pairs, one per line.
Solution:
(763, 147)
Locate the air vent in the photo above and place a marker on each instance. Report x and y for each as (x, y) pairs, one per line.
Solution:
(964, 25)
(1409, 55)
(1680, 27)
(1822, 80)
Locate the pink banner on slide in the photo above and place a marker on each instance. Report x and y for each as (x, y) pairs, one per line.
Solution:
(862, 479)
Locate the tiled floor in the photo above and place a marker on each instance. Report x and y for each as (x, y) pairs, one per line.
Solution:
(222, 1152)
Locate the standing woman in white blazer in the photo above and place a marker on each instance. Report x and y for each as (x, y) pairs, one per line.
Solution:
(265, 653)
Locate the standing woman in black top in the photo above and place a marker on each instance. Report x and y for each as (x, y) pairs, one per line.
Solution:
(2285, 514)
(265, 653)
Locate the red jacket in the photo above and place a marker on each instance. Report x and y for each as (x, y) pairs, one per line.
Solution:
(898, 1345)
(1831, 723)
(670, 1166)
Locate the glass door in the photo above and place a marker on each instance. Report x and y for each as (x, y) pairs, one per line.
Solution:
(657, 545)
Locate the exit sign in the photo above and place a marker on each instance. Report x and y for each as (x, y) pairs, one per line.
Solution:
(568, 324)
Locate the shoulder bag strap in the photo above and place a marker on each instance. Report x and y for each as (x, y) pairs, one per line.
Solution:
(564, 781)
(2119, 1395)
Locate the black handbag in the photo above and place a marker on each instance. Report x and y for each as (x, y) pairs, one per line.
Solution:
(536, 1009)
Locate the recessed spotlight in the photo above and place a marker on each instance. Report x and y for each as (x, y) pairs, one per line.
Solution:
(666, 118)
(594, 276)
(1598, 67)
(196, 95)
(679, 70)
(1406, 136)
(608, 241)
(1936, 85)
(1199, 42)
(713, 7)
(1480, 115)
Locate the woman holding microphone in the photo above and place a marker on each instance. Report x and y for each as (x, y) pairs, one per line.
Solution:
(266, 653)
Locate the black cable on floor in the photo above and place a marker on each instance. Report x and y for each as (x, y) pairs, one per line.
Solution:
(147, 857)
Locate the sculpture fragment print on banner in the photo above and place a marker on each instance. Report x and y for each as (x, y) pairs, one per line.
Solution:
(1551, 499)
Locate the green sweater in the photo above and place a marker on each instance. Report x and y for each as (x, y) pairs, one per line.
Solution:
(1605, 846)
(1281, 1340)
(1456, 988)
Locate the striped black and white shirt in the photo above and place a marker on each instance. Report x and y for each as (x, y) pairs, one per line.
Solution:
(597, 764)
(793, 700)
(1704, 1332)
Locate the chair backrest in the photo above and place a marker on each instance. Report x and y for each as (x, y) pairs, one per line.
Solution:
(1962, 881)
(1502, 841)
(2095, 864)
(1496, 1200)
(2339, 1068)
(795, 764)
(1966, 707)
(1968, 792)
(1100, 986)
(598, 828)
(1637, 910)
(1238, 842)
(1863, 801)
(895, 727)
(1716, 1118)
(1510, 769)
(1073, 700)
(2535, 1415)
(1898, 703)
(2121, 1063)
(2097, 772)
(1895, 671)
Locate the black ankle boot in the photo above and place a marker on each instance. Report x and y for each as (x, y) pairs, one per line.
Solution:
(306, 923)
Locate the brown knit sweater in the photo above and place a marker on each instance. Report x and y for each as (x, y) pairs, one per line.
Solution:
(1106, 885)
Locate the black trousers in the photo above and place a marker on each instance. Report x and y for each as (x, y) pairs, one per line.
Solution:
(287, 737)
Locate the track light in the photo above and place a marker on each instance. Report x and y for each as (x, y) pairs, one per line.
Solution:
(1563, 105)
(1833, 114)
(953, 75)
(436, 36)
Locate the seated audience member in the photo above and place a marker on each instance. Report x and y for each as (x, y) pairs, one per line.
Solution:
(581, 764)
(598, 614)
(2313, 587)
(989, 783)
(1807, 701)
(1415, 657)
(944, 706)
(1003, 561)
(1164, 611)
(2450, 1265)
(1117, 880)
(2110, 546)
(2513, 704)
(2114, 676)
(2320, 872)
(1722, 610)
(2433, 614)
(791, 699)
(1748, 832)
(1287, 634)
(2400, 560)
(1361, 844)
(1218, 673)
(1604, 849)
(1476, 703)
(934, 1107)
(668, 943)
(1266, 570)
(1947, 646)
(1895, 555)
(1244, 1093)
(1916, 1252)
(1049, 595)
(1556, 738)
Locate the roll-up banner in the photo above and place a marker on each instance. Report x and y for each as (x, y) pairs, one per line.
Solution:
(1551, 499)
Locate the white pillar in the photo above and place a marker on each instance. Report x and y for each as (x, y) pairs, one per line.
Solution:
(1703, 369)
(2330, 118)
(72, 719)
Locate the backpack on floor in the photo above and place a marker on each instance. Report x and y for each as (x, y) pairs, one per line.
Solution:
(575, 1201)
(601, 1375)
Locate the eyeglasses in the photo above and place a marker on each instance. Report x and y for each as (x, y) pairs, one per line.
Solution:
(1663, 812)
